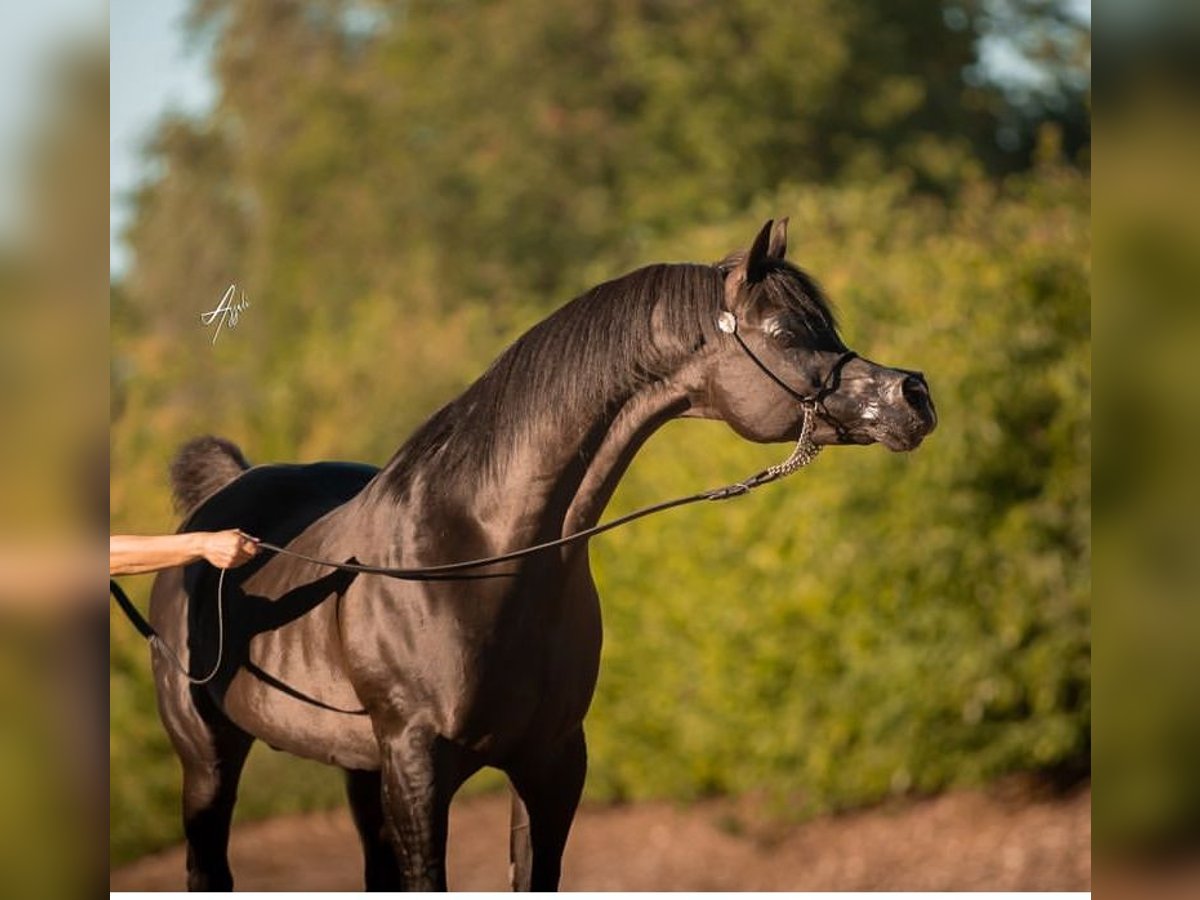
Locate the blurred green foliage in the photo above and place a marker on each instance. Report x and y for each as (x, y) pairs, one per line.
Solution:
(1147, 525)
(880, 622)
(401, 193)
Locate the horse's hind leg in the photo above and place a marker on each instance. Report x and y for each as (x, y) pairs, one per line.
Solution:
(212, 751)
(210, 781)
(365, 792)
(549, 786)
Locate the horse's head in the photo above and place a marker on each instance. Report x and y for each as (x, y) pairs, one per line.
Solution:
(777, 350)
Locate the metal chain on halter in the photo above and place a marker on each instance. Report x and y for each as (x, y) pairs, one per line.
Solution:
(803, 453)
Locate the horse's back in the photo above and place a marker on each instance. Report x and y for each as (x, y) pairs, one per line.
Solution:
(276, 502)
(273, 502)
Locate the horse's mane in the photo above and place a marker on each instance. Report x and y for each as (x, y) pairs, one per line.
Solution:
(597, 349)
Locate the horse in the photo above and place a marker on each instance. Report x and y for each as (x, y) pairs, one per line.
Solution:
(413, 686)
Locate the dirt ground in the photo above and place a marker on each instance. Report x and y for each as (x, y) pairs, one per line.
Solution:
(1002, 839)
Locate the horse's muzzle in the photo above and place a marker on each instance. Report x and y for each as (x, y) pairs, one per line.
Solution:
(913, 413)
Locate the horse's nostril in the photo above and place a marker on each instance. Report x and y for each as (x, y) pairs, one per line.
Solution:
(916, 392)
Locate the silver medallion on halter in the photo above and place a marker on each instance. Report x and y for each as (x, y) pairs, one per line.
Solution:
(727, 322)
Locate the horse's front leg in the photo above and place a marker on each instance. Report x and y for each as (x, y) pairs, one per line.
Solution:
(548, 785)
(365, 792)
(421, 772)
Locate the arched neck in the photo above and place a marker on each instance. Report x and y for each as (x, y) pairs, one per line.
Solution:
(538, 443)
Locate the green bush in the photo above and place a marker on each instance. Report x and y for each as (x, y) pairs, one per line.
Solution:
(877, 624)
(880, 623)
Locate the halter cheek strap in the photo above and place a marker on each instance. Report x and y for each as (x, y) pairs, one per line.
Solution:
(728, 323)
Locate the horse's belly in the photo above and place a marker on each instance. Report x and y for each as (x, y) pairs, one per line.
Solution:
(294, 695)
(291, 725)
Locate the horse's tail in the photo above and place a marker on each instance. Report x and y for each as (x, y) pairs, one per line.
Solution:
(202, 467)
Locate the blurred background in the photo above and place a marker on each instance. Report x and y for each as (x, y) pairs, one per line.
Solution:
(402, 188)
(1147, 524)
(53, 467)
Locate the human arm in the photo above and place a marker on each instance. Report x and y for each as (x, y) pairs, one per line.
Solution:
(135, 554)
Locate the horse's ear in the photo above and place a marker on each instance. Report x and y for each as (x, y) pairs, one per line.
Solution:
(752, 268)
(756, 259)
(777, 249)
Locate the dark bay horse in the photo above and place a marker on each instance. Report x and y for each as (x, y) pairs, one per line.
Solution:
(411, 687)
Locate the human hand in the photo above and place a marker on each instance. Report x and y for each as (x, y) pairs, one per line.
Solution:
(226, 549)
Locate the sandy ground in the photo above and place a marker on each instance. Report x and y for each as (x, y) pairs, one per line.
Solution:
(996, 840)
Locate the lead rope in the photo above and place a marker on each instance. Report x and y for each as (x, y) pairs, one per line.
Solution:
(155, 639)
(802, 454)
